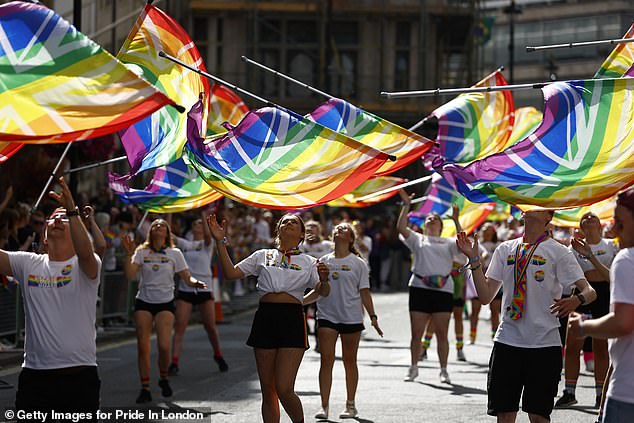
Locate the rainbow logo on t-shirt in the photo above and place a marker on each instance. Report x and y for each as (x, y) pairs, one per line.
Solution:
(46, 282)
(67, 269)
(540, 276)
(156, 260)
(538, 260)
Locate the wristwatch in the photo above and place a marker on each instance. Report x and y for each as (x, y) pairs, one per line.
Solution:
(73, 212)
(582, 299)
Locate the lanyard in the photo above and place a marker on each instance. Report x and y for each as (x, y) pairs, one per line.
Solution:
(520, 253)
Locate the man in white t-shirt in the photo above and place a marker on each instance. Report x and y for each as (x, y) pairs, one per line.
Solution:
(60, 297)
(526, 359)
(619, 323)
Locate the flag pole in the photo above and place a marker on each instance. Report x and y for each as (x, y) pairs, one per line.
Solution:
(245, 92)
(394, 188)
(530, 49)
(288, 78)
(79, 169)
(447, 91)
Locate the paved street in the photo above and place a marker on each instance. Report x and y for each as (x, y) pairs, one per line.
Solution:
(382, 395)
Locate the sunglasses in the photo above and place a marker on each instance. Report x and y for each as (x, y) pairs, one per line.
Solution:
(61, 216)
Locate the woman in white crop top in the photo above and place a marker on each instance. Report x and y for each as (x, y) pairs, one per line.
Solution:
(278, 333)
(341, 314)
(157, 261)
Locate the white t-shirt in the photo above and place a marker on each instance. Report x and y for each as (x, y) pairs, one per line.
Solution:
(552, 268)
(198, 257)
(60, 305)
(347, 277)
(274, 276)
(621, 386)
(605, 251)
(317, 249)
(432, 256)
(156, 283)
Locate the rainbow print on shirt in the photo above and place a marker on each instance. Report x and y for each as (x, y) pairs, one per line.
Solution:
(155, 260)
(47, 282)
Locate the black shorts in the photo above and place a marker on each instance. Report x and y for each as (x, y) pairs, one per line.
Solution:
(70, 390)
(536, 371)
(340, 327)
(430, 301)
(195, 298)
(154, 308)
(599, 307)
(458, 302)
(279, 325)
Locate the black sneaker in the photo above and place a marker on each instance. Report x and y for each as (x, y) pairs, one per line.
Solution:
(566, 400)
(166, 389)
(172, 370)
(222, 364)
(144, 396)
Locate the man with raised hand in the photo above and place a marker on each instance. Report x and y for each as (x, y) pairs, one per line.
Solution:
(60, 296)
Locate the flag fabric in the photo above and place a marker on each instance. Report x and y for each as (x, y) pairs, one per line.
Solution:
(440, 198)
(370, 186)
(276, 160)
(224, 106)
(371, 130)
(482, 30)
(175, 187)
(570, 218)
(582, 153)
(8, 149)
(621, 61)
(474, 125)
(159, 139)
(57, 85)
(527, 119)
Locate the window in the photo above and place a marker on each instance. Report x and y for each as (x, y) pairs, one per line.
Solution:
(402, 55)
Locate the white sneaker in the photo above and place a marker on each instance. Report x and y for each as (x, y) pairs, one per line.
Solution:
(350, 412)
(461, 356)
(412, 373)
(322, 414)
(444, 377)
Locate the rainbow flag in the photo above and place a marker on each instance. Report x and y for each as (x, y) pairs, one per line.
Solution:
(175, 187)
(373, 131)
(225, 106)
(621, 61)
(440, 198)
(56, 85)
(570, 218)
(527, 119)
(277, 160)
(474, 125)
(377, 184)
(582, 153)
(8, 149)
(159, 139)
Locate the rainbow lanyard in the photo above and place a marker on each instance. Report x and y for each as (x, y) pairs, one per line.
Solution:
(286, 256)
(523, 255)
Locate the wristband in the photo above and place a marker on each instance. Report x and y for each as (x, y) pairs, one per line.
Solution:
(476, 267)
(474, 259)
(373, 316)
(73, 212)
(224, 240)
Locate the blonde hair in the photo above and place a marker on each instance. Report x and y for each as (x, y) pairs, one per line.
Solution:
(168, 239)
(353, 233)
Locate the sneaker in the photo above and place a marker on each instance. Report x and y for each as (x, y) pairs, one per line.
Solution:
(144, 396)
(444, 377)
(461, 356)
(322, 414)
(590, 366)
(412, 373)
(423, 354)
(566, 400)
(166, 389)
(350, 412)
(172, 370)
(222, 364)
